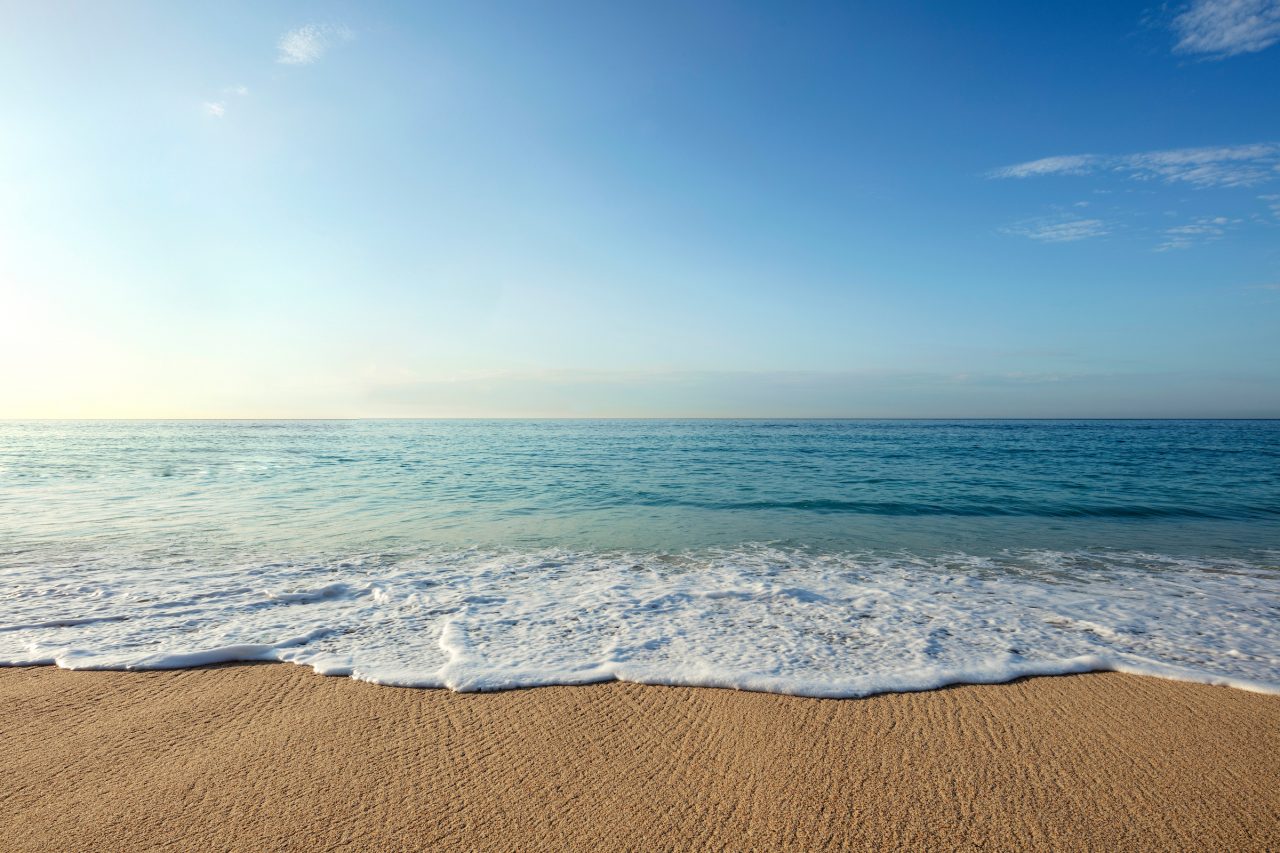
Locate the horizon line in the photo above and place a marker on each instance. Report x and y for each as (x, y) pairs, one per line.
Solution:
(647, 418)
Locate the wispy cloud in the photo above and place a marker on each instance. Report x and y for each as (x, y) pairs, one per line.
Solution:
(1220, 166)
(1203, 230)
(1057, 230)
(1227, 166)
(218, 109)
(1071, 164)
(308, 43)
(1222, 28)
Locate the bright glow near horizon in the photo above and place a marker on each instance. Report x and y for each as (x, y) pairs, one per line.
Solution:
(663, 210)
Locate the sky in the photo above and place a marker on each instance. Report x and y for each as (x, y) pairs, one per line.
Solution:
(907, 209)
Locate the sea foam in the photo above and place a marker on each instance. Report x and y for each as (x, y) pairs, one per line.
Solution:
(753, 617)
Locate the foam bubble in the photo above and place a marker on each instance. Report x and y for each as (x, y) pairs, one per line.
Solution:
(751, 617)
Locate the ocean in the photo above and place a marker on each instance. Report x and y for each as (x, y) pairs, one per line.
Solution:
(820, 558)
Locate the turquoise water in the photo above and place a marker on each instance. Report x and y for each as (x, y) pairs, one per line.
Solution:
(863, 555)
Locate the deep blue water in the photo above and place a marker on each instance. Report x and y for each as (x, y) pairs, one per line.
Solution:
(665, 485)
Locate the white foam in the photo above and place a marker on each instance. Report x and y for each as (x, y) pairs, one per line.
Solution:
(753, 618)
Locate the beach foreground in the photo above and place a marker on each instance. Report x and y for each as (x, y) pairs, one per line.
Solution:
(256, 757)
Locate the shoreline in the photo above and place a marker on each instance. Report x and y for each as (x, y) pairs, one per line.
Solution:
(268, 756)
(1083, 665)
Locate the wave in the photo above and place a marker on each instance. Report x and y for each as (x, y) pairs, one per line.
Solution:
(980, 509)
(753, 617)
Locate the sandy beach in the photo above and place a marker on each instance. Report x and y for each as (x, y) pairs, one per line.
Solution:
(256, 757)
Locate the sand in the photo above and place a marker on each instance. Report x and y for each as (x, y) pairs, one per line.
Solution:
(274, 757)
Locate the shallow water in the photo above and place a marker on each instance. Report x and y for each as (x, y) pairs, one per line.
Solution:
(816, 557)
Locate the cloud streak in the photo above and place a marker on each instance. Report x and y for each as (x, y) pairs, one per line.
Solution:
(309, 43)
(1071, 164)
(1057, 230)
(1203, 230)
(1220, 166)
(1222, 28)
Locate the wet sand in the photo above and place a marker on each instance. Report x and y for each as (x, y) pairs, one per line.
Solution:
(273, 757)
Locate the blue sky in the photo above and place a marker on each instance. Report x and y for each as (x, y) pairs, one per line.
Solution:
(518, 209)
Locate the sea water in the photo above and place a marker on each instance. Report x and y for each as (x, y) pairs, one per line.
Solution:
(822, 558)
